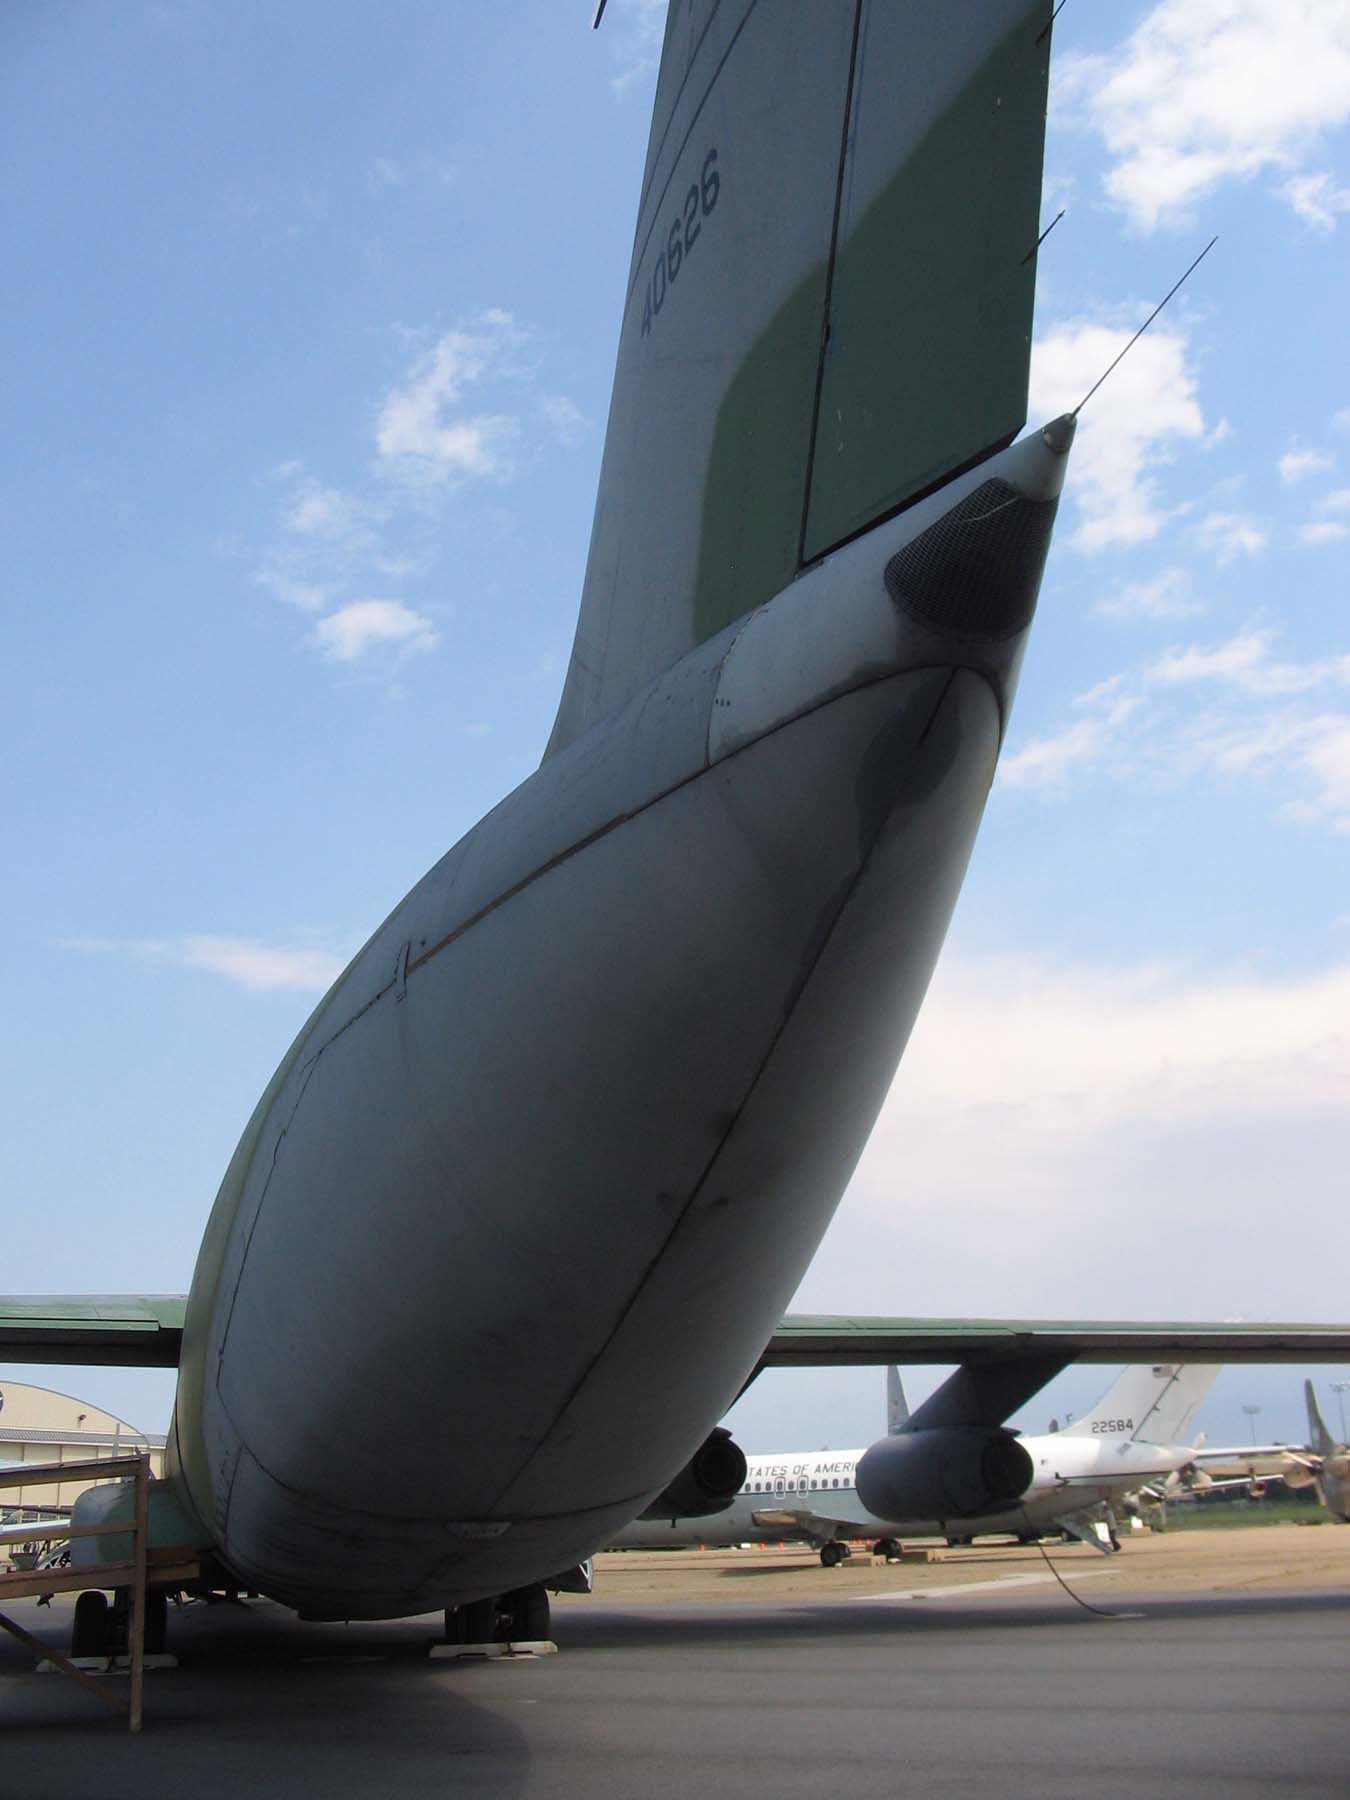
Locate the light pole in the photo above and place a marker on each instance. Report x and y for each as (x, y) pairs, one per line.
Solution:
(1340, 1389)
(1251, 1412)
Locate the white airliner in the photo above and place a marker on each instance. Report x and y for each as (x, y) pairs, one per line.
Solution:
(1133, 1436)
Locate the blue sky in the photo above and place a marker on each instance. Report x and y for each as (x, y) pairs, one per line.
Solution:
(312, 315)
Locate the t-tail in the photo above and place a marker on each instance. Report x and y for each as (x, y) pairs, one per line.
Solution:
(1152, 1404)
(828, 312)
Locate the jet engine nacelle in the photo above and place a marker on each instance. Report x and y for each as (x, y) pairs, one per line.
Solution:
(708, 1482)
(955, 1472)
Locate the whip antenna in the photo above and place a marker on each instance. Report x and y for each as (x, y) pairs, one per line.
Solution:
(1144, 327)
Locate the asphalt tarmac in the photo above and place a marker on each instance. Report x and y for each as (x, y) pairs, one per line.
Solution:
(977, 1677)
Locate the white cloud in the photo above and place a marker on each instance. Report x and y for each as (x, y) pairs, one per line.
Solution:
(638, 27)
(1206, 91)
(1227, 535)
(1245, 663)
(307, 595)
(250, 964)
(1295, 464)
(1176, 1044)
(387, 172)
(1051, 762)
(1315, 750)
(1129, 428)
(1317, 200)
(1168, 595)
(347, 634)
(1142, 722)
(1328, 531)
(423, 435)
(564, 418)
(314, 508)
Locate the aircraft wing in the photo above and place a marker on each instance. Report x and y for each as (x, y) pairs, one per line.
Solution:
(119, 1330)
(811, 1340)
(801, 1520)
(145, 1331)
(1003, 1362)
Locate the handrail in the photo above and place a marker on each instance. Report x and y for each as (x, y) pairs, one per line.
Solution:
(26, 1583)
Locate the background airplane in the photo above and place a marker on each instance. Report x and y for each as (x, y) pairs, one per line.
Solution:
(1325, 1464)
(1131, 1437)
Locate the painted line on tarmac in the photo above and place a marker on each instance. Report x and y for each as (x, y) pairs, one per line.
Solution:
(957, 1589)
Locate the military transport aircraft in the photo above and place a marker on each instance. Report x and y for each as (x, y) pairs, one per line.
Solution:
(1133, 1435)
(516, 1217)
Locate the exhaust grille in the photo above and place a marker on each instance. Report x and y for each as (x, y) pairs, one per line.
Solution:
(976, 573)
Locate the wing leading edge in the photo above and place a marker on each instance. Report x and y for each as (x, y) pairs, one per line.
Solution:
(133, 1331)
(145, 1331)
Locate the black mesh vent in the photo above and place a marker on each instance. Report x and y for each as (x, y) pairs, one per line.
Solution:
(976, 573)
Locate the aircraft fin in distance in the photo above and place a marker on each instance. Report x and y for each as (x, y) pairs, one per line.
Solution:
(1151, 1403)
(828, 311)
(1319, 1438)
(897, 1407)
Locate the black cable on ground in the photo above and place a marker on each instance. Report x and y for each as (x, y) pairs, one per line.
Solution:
(1102, 1612)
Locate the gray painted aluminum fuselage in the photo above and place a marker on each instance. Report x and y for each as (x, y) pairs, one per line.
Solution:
(525, 1202)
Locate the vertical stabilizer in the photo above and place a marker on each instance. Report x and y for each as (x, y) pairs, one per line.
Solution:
(828, 309)
(1320, 1439)
(1153, 1404)
(897, 1407)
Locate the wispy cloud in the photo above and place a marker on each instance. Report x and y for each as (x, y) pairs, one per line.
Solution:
(1317, 200)
(347, 634)
(1328, 529)
(426, 433)
(1226, 535)
(1208, 91)
(248, 962)
(1140, 727)
(1148, 406)
(466, 408)
(1051, 762)
(636, 28)
(1296, 463)
(1168, 595)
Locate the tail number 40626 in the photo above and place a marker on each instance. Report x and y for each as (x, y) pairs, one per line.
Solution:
(679, 242)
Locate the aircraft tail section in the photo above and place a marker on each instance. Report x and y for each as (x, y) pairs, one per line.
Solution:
(1153, 1404)
(1320, 1439)
(828, 309)
(897, 1407)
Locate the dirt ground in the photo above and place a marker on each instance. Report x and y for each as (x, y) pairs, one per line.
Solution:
(1239, 1560)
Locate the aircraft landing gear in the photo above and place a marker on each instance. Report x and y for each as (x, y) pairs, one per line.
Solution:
(522, 1616)
(886, 1547)
(101, 1630)
(91, 1630)
(833, 1553)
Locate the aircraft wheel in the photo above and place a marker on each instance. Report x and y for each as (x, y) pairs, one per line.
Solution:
(475, 1623)
(831, 1555)
(89, 1632)
(886, 1547)
(527, 1613)
(156, 1621)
